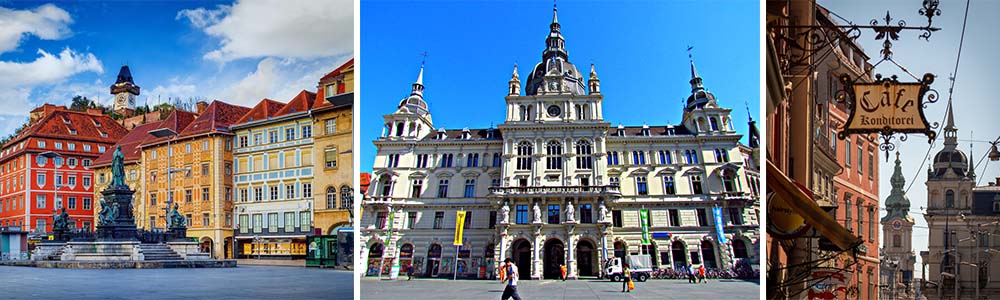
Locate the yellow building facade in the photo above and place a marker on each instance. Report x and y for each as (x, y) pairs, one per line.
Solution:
(201, 160)
(334, 153)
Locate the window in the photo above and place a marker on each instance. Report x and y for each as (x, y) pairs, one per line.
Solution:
(272, 222)
(470, 188)
(307, 190)
(446, 160)
(640, 186)
(41, 144)
(421, 161)
(553, 214)
(496, 159)
(380, 219)
(521, 215)
(860, 163)
(58, 202)
(613, 158)
(614, 180)
(729, 181)
(204, 169)
(87, 162)
(86, 203)
(493, 219)
(735, 216)
(696, 187)
(258, 223)
(71, 162)
(411, 219)
(949, 199)
(331, 126)
(307, 131)
(847, 212)
(290, 191)
(554, 159)
(204, 194)
(472, 160)
(665, 157)
(871, 223)
(40, 225)
(871, 165)
(205, 220)
(40, 201)
(71, 203)
(417, 188)
(41, 180)
(668, 185)
(152, 199)
(586, 213)
(639, 157)
(258, 194)
(289, 222)
(721, 155)
(691, 156)
(702, 217)
(584, 161)
(243, 223)
(675, 218)
(524, 156)
(289, 134)
(861, 215)
(438, 219)
(393, 161)
(187, 148)
(272, 136)
(242, 143)
(443, 188)
(41, 160)
(187, 195)
(847, 153)
(468, 220)
(616, 218)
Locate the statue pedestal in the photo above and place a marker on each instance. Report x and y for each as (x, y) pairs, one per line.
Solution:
(189, 250)
(116, 221)
(102, 251)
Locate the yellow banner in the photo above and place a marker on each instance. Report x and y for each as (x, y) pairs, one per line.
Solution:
(459, 228)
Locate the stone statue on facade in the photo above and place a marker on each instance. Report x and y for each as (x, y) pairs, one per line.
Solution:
(176, 219)
(570, 212)
(505, 213)
(118, 168)
(603, 213)
(538, 213)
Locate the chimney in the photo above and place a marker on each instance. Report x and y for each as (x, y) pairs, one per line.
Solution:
(201, 106)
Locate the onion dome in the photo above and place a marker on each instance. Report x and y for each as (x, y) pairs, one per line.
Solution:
(415, 102)
(950, 160)
(555, 74)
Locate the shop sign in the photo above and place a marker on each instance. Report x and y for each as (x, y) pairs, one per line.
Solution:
(887, 107)
(782, 221)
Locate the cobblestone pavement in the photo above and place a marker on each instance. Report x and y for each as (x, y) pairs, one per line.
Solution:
(551, 289)
(250, 282)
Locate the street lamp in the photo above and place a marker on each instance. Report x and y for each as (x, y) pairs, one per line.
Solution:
(55, 184)
(169, 134)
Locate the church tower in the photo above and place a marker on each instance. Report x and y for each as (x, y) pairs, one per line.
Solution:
(897, 228)
(124, 91)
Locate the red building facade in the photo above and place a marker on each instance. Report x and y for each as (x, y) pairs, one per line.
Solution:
(47, 166)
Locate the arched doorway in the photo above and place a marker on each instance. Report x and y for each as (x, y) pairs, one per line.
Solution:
(679, 253)
(336, 227)
(555, 256)
(740, 249)
(405, 258)
(433, 260)
(374, 258)
(620, 249)
(585, 258)
(207, 246)
(521, 255)
(708, 254)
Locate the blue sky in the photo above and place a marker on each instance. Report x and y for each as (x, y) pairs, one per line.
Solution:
(974, 99)
(237, 52)
(639, 49)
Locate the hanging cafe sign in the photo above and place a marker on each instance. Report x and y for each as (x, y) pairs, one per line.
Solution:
(887, 107)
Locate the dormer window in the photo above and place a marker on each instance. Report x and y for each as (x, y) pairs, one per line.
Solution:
(466, 134)
(104, 134)
(645, 131)
(97, 123)
(72, 131)
(441, 134)
(65, 119)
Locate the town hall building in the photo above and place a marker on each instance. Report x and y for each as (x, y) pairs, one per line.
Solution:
(556, 184)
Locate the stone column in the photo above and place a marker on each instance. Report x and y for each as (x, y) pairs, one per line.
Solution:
(536, 256)
(570, 260)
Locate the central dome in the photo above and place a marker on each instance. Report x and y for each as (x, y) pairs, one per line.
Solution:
(569, 78)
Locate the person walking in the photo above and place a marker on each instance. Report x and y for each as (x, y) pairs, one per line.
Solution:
(627, 280)
(701, 274)
(691, 274)
(409, 273)
(562, 270)
(509, 273)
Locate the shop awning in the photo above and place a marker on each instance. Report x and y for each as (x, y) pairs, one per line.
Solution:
(801, 203)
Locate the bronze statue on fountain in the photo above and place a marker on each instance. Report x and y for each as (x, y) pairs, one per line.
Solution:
(115, 221)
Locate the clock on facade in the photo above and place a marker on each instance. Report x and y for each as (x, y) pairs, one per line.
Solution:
(897, 225)
(554, 110)
(120, 99)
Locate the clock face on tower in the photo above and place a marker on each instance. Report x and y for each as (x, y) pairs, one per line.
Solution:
(897, 224)
(554, 111)
(120, 100)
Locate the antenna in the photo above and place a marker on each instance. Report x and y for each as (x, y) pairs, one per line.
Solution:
(424, 60)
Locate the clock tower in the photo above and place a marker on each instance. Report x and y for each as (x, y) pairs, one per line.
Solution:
(124, 91)
(897, 231)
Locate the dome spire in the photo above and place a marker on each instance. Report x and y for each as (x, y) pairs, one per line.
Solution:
(695, 79)
(418, 86)
(555, 16)
(555, 44)
(950, 130)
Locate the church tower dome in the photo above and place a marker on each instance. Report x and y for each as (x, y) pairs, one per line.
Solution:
(555, 74)
(950, 162)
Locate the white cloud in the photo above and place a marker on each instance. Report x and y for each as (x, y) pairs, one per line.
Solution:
(295, 29)
(47, 68)
(47, 22)
(255, 86)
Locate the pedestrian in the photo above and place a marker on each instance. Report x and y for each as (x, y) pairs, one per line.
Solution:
(627, 281)
(701, 274)
(562, 270)
(691, 274)
(409, 273)
(509, 272)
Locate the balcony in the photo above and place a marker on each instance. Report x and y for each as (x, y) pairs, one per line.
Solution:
(567, 191)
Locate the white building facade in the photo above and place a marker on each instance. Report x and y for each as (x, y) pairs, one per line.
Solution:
(555, 184)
